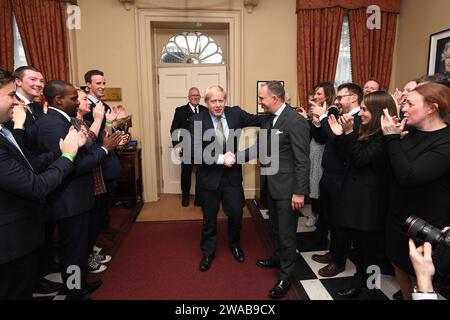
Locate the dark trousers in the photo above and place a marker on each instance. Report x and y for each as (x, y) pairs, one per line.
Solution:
(99, 215)
(73, 238)
(232, 200)
(186, 174)
(47, 252)
(283, 223)
(367, 246)
(17, 277)
(340, 243)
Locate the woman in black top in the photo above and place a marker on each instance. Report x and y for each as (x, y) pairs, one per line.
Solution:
(363, 204)
(421, 166)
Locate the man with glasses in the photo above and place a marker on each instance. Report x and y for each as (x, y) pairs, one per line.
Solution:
(181, 121)
(214, 141)
(348, 100)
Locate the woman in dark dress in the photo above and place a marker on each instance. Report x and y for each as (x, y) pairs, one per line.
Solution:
(421, 168)
(363, 204)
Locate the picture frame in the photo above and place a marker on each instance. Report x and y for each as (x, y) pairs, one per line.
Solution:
(259, 84)
(436, 55)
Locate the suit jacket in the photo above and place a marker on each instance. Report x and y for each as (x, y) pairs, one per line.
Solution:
(111, 168)
(334, 159)
(292, 176)
(363, 204)
(76, 194)
(30, 126)
(209, 175)
(181, 119)
(22, 192)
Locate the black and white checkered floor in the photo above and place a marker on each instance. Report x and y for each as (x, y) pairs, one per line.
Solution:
(320, 288)
(315, 286)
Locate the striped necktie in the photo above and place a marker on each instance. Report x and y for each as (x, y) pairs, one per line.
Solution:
(220, 133)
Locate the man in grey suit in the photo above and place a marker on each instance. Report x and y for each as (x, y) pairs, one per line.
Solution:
(286, 188)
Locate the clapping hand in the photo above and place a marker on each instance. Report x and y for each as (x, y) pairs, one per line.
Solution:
(335, 126)
(346, 121)
(98, 113)
(301, 111)
(19, 116)
(70, 143)
(120, 111)
(397, 96)
(390, 125)
(111, 115)
(82, 136)
(318, 110)
(229, 159)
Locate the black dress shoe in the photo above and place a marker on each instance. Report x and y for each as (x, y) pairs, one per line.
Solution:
(280, 289)
(205, 263)
(45, 286)
(197, 203)
(185, 202)
(268, 263)
(349, 293)
(238, 254)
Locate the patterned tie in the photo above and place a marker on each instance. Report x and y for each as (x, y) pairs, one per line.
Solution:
(9, 136)
(220, 134)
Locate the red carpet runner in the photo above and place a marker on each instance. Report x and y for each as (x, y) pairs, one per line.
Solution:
(160, 261)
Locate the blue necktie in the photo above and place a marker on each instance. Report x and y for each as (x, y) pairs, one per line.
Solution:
(9, 136)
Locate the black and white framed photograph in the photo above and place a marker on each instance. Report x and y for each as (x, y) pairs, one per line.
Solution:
(259, 84)
(439, 53)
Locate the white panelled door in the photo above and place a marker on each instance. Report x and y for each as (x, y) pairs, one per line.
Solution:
(174, 84)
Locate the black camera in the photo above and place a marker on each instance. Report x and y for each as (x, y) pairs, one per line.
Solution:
(421, 231)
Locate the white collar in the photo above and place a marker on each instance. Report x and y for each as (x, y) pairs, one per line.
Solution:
(62, 112)
(354, 111)
(279, 111)
(24, 99)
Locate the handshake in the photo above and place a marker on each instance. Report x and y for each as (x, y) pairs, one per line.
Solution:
(229, 159)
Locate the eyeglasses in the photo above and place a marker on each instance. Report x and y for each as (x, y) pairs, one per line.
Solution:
(216, 101)
(345, 95)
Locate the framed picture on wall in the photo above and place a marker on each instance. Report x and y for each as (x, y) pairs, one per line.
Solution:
(439, 53)
(259, 84)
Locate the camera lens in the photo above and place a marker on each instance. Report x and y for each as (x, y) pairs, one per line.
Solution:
(422, 231)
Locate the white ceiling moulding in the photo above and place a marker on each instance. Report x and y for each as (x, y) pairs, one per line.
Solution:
(127, 4)
(250, 5)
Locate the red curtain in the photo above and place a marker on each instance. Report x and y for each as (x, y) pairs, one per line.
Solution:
(6, 35)
(42, 26)
(318, 41)
(385, 5)
(372, 50)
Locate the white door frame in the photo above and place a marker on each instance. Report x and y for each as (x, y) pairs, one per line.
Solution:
(147, 77)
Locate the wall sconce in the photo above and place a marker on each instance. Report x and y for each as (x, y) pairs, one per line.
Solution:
(127, 4)
(250, 4)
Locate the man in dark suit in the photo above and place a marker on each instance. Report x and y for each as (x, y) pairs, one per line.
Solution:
(219, 181)
(286, 188)
(22, 193)
(111, 168)
(71, 203)
(334, 163)
(29, 85)
(181, 121)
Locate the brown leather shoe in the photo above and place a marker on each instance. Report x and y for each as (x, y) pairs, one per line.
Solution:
(331, 270)
(323, 258)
